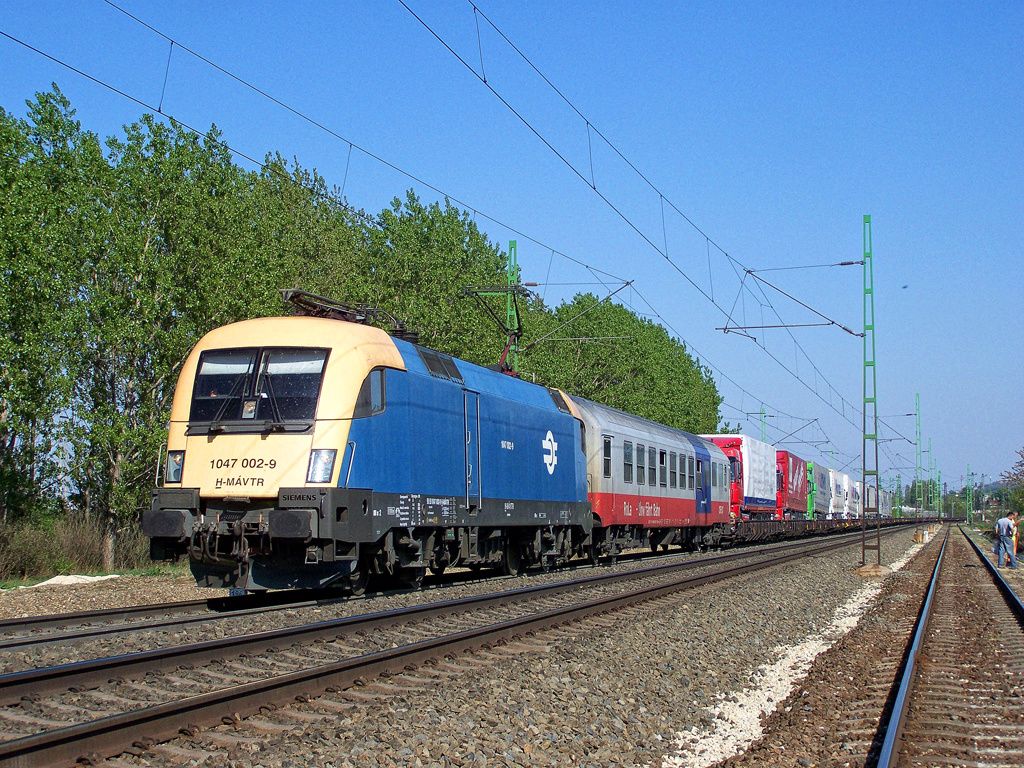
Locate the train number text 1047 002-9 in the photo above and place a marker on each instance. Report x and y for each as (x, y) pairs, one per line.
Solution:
(245, 463)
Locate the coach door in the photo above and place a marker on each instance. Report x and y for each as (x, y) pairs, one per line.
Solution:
(703, 491)
(472, 400)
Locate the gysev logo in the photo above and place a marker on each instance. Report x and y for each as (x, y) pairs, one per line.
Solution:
(550, 458)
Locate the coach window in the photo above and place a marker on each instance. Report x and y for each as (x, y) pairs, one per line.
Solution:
(714, 475)
(652, 460)
(672, 470)
(607, 456)
(700, 473)
(627, 462)
(640, 453)
(691, 471)
(663, 469)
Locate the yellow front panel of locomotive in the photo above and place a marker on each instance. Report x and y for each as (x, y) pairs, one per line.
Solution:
(246, 464)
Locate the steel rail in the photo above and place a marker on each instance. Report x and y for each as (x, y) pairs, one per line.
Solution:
(220, 608)
(1011, 597)
(23, 641)
(111, 735)
(889, 753)
(17, 629)
(47, 680)
(216, 605)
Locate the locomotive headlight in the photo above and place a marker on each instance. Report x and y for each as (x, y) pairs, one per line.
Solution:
(321, 465)
(175, 462)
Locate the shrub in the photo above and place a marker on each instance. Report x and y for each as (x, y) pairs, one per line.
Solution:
(71, 543)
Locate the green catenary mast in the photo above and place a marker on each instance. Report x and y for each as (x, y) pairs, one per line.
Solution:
(812, 490)
(512, 327)
(970, 495)
(870, 445)
(917, 442)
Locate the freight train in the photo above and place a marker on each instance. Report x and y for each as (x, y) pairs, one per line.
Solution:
(318, 449)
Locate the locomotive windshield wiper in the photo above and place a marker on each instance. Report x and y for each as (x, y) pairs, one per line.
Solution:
(215, 425)
(271, 397)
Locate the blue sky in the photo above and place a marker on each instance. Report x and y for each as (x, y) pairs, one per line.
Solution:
(773, 127)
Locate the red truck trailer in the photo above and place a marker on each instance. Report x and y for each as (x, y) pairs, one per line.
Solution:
(791, 485)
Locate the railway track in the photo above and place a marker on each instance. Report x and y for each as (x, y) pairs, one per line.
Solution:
(960, 699)
(48, 631)
(56, 716)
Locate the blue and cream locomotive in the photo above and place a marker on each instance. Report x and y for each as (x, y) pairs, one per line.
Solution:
(307, 451)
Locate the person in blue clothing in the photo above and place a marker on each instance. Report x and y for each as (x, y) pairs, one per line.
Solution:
(1004, 540)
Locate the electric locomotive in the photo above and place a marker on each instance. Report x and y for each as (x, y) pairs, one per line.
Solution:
(310, 451)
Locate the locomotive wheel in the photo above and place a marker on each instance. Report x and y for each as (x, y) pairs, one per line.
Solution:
(511, 560)
(411, 576)
(357, 581)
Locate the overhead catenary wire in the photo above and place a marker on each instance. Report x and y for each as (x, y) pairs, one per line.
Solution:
(737, 267)
(158, 109)
(628, 221)
(329, 131)
(195, 131)
(607, 201)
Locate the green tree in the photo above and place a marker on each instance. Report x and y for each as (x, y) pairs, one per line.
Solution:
(51, 178)
(606, 353)
(416, 262)
(1014, 477)
(115, 264)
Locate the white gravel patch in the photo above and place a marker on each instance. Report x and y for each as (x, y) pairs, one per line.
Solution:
(58, 581)
(738, 717)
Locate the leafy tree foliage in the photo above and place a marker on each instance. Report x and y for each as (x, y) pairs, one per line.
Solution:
(611, 355)
(117, 258)
(1014, 477)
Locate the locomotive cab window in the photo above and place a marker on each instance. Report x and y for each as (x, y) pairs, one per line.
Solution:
(627, 462)
(370, 400)
(607, 457)
(254, 387)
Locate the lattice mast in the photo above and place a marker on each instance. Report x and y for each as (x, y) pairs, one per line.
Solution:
(931, 477)
(512, 327)
(917, 443)
(970, 495)
(870, 492)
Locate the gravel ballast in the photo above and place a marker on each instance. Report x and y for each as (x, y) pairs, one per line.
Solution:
(614, 691)
(124, 591)
(147, 590)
